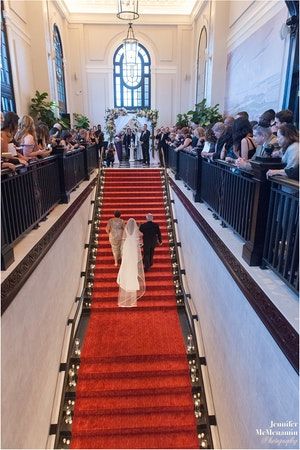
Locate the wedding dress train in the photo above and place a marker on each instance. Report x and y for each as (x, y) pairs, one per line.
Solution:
(131, 277)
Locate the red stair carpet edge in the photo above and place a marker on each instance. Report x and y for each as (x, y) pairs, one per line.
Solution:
(133, 387)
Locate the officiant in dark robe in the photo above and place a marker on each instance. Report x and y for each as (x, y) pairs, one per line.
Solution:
(145, 141)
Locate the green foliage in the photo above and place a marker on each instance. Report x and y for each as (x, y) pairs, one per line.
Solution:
(182, 120)
(81, 121)
(65, 123)
(42, 110)
(205, 115)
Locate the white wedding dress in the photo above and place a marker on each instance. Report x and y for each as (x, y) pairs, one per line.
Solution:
(131, 277)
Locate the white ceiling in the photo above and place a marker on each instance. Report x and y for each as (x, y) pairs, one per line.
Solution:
(162, 7)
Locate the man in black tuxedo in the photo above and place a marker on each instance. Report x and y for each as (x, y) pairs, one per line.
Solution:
(128, 137)
(151, 237)
(145, 141)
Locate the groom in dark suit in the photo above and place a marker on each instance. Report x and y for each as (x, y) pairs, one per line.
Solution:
(151, 237)
(145, 141)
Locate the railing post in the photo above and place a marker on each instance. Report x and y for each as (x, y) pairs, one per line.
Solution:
(197, 194)
(64, 195)
(86, 164)
(7, 252)
(253, 249)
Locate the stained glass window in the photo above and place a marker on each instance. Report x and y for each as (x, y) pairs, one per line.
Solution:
(59, 70)
(132, 82)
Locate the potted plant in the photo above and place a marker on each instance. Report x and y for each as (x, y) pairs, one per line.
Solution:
(205, 115)
(81, 121)
(183, 120)
(42, 110)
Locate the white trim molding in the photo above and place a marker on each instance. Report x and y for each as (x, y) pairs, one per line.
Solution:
(257, 14)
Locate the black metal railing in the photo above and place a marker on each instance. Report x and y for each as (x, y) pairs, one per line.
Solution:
(230, 193)
(74, 169)
(241, 200)
(92, 157)
(28, 196)
(282, 233)
(32, 191)
(188, 169)
(173, 160)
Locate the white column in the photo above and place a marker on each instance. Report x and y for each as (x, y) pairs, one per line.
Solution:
(131, 158)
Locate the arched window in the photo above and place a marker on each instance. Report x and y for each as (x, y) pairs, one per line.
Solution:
(7, 91)
(132, 87)
(59, 70)
(201, 66)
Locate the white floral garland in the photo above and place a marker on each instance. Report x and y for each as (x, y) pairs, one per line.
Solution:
(114, 113)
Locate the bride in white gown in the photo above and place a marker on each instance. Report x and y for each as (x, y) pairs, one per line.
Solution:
(131, 277)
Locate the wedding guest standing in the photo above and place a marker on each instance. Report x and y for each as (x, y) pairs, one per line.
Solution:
(99, 137)
(151, 237)
(114, 228)
(119, 146)
(145, 141)
(110, 155)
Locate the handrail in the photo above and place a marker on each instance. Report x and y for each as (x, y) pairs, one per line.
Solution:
(239, 198)
(280, 329)
(284, 181)
(83, 301)
(282, 232)
(183, 300)
(31, 192)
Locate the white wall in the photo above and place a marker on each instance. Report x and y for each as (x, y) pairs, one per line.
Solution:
(91, 67)
(252, 381)
(20, 48)
(246, 57)
(30, 40)
(32, 334)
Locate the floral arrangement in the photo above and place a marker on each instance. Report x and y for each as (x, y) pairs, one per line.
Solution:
(114, 113)
(134, 125)
(150, 114)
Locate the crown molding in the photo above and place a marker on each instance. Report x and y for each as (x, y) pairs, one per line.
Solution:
(198, 8)
(16, 27)
(62, 7)
(255, 16)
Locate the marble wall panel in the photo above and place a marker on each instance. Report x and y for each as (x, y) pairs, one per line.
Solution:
(254, 70)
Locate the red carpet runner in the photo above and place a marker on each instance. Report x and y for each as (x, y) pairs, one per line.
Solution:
(134, 388)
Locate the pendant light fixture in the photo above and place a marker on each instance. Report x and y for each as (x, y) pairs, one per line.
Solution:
(128, 10)
(130, 45)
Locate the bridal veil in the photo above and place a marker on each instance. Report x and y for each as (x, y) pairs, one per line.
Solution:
(131, 277)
